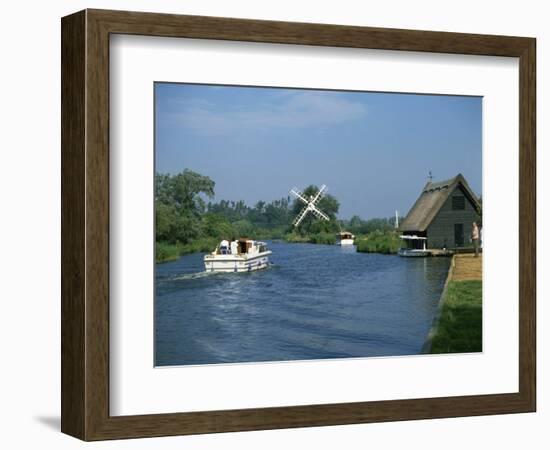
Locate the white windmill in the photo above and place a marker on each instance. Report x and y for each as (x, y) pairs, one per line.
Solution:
(310, 205)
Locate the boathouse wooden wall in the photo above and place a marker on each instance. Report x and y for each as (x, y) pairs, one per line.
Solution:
(441, 231)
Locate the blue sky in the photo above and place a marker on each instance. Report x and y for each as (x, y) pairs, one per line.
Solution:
(372, 150)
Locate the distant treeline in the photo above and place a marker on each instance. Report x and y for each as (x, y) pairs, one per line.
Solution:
(187, 220)
(359, 226)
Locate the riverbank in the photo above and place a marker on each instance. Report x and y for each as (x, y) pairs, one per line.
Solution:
(386, 243)
(318, 238)
(166, 252)
(458, 326)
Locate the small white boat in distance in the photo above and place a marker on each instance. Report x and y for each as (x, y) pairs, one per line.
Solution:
(345, 238)
(414, 246)
(244, 255)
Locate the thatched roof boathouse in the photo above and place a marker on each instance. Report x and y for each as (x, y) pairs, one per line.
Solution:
(444, 213)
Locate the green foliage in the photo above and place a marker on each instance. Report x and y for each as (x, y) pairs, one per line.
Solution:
(276, 214)
(179, 205)
(312, 225)
(186, 223)
(205, 244)
(216, 225)
(243, 228)
(323, 238)
(166, 252)
(296, 238)
(318, 238)
(459, 328)
(232, 211)
(386, 242)
(165, 218)
(183, 190)
(356, 225)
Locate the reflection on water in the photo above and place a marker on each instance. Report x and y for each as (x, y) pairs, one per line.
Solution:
(314, 302)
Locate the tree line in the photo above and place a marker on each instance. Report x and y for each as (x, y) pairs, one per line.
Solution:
(187, 219)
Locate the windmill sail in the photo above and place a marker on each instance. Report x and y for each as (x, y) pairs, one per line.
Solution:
(310, 205)
(320, 214)
(300, 216)
(298, 194)
(319, 195)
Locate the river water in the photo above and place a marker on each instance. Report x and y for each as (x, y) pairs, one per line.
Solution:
(314, 302)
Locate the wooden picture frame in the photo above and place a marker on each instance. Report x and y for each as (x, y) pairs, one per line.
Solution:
(85, 224)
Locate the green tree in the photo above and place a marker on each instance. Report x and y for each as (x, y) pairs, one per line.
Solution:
(186, 188)
(216, 225)
(359, 226)
(243, 228)
(179, 205)
(355, 223)
(165, 218)
(311, 224)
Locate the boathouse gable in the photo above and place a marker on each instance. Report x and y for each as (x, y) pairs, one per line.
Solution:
(452, 225)
(444, 213)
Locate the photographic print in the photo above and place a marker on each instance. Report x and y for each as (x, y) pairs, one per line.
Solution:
(303, 224)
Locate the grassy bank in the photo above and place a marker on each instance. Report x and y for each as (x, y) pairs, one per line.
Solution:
(319, 238)
(375, 242)
(165, 252)
(379, 242)
(459, 327)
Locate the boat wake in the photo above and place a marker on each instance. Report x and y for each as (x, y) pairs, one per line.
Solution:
(205, 274)
(192, 276)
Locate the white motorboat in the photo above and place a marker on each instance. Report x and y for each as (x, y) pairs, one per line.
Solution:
(345, 238)
(415, 246)
(244, 255)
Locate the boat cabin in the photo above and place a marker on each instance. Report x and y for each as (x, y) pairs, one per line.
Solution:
(345, 238)
(413, 242)
(346, 235)
(243, 246)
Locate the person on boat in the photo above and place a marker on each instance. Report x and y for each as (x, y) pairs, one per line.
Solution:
(224, 247)
(475, 238)
(234, 247)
